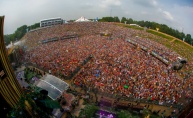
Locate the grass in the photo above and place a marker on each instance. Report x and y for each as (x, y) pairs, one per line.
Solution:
(160, 34)
(176, 45)
(187, 47)
(183, 49)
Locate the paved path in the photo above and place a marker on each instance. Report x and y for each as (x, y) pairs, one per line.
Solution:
(21, 82)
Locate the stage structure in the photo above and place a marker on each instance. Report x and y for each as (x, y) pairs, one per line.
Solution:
(9, 86)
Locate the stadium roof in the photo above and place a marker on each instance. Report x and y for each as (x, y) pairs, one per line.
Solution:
(51, 19)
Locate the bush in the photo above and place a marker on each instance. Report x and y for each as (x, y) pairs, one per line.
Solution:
(88, 111)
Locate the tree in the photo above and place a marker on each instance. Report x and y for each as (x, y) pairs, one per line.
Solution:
(141, 23)
(88, 111)
(123, 19)
(130, 21)
(116, 19)
(126, 114)
(34, 26)
(19, 33)
(107, 19)
(188, 38)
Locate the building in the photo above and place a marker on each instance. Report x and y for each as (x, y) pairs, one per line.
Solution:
(51, 22)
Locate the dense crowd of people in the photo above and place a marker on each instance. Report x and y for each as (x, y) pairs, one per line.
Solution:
(117, 67)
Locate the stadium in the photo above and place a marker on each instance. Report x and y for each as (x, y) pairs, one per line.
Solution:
(112, 65)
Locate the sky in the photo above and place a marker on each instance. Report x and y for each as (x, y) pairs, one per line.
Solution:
(177, 14)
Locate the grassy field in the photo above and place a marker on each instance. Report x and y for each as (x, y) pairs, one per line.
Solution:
(182, 48)
(133, 27)
(170, 38)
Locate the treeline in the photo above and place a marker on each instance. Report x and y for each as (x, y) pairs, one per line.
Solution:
(19, 33)
(152, 25)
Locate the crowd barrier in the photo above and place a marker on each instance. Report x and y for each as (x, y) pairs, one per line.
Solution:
(70, 76)
(153, 53)
(69, 37)
(179, 106)
(57, 38)
(50, 40)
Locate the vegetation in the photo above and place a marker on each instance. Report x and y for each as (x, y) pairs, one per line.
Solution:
(160, 34)
(180, 48)
(109, 19)
(184, 49)
(30, 74)
(19, 33)
(152, 25)
(88, 111)
(32, 99)
(126, 114)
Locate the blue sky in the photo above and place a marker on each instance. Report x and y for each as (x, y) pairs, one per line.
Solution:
(177, 14)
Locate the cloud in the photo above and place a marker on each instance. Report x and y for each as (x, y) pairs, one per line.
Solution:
(183, 17)
(146, 3)
(87, 5)
(21, 12)
(110, 3)
(144, 12)
(167, 15)
(154, 2)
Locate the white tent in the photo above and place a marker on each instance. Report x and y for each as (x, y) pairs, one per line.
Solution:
(53, 85)
(82, 19)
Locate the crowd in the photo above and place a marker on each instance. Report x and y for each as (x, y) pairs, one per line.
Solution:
(158, 48)
(117, 66)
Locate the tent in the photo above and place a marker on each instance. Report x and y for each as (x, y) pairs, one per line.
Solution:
(82, 19)
(53, 85)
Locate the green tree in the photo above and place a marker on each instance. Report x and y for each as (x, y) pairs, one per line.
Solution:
(116, 19)
(188, 38)
(34, 26)
(109, 19)
(20, 32)
(123, 19)
(141, 23)
(130, 21)
(126, 114)
(88, 111)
